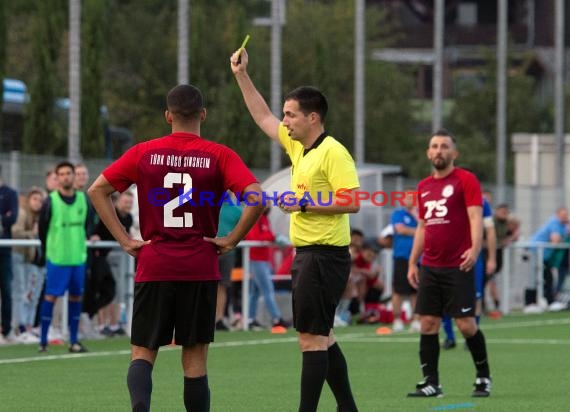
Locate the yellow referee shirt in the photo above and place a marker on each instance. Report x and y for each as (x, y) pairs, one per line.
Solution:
(317, 176)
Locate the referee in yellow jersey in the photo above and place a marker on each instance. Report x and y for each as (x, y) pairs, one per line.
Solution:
(323, 180)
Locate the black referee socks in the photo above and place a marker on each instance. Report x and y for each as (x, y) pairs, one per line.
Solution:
(315, 367)
(197, 394)
(337, 378)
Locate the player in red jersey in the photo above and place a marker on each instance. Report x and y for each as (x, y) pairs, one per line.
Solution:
(449, 234)
(181, 182)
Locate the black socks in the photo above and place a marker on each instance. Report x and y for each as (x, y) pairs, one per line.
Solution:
(337, 379)
(197, 394)
(478, 349)
(313, 374)
(429, 357)
(139, 382)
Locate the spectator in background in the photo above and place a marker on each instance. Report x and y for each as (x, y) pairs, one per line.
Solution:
(553, 231)
(229, 217)
(369, 285)
(91, 293)
(507, 231)
(563, 272)
(28, 275)
(51, 184)
(343, 313)
(404, 222)
(262, 274)
(559, 260)
(356, 242)
(63, 228)
(109, 314)
(81, 177)
(51, 181)
(386, 236)
(8, 216)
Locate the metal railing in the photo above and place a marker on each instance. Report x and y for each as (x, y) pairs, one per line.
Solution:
(535, 279)
(126, 294)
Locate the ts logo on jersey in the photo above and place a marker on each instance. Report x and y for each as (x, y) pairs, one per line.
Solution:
(435, 207)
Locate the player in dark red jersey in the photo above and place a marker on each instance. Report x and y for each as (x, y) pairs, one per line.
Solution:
(449, 234)
(181, 182)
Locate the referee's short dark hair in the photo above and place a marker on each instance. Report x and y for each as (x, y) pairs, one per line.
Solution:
(310, 100)
(185, 102)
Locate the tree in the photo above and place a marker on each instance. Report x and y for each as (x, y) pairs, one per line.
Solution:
(473, 117)
(141, 67)
(134, 48)
(42, 132)
(326, 60)
(92, 63)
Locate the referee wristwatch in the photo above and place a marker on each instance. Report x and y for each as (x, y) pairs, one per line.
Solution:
(303, 205)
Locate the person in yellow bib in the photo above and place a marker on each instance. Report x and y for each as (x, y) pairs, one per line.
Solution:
(322, 174)
(63, 225)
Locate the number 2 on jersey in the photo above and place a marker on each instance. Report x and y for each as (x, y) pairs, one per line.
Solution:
(169, 219)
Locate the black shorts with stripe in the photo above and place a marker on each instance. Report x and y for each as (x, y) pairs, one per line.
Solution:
(446, 291)
(319, 276)
(185, 311)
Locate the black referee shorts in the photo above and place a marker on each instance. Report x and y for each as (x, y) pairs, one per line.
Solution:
(183, 310)
(319, 276)
(446, 291)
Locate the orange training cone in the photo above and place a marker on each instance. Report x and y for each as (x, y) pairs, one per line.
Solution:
(278, 329)
(383, 330)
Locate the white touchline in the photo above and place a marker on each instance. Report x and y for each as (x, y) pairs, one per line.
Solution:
(363, 337)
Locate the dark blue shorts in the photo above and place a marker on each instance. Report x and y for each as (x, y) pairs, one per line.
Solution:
(60, 279)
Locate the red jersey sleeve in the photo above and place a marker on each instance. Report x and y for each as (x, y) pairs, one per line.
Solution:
(421, 207)
(123, 172)
(236, 174)
(471, 189)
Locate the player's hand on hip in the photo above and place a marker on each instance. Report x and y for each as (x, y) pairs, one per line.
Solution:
(413, 276)
(134, 246)
(469, 259)
(223, 245)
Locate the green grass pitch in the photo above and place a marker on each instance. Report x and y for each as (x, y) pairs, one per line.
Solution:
(258, 371)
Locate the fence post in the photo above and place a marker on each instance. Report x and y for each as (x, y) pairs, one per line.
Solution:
(245, 288)
(506, 280)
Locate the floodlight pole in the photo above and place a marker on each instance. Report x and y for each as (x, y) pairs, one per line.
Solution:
(183, 48)
(501, 142)
(276, 21)
(438, 30)
(359, 76)
(559, 101)
(74, 121)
